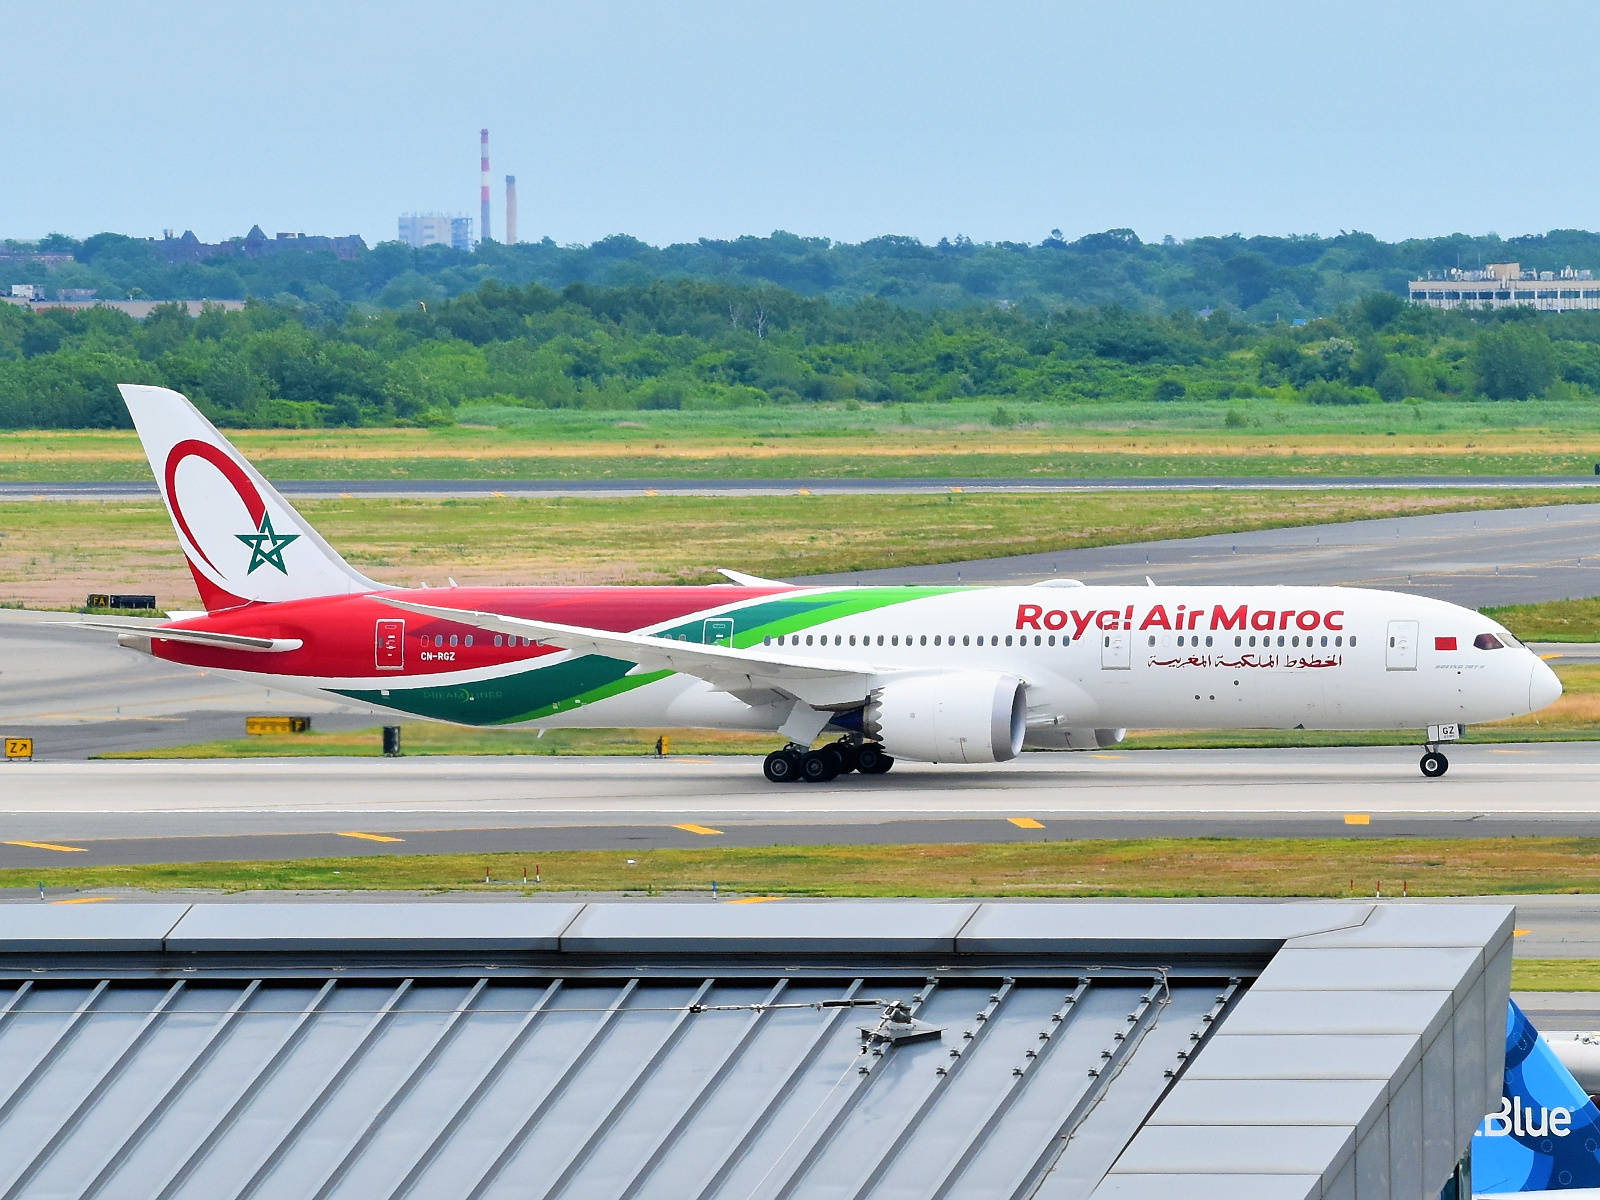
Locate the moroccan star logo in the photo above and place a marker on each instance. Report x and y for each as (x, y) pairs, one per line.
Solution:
(266, 545)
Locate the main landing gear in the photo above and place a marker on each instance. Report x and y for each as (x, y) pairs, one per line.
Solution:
(794, 762)
(1434, 764)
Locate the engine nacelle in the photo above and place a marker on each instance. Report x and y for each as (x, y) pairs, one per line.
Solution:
(957, 717)
(1059, 737)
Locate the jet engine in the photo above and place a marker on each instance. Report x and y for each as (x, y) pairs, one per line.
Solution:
(958, 717)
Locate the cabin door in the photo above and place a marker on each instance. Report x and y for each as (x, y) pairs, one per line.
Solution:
(1402, 649)
(1116, 647)
(389, 645)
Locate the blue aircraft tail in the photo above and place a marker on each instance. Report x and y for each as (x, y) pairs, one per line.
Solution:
(1546, 1134)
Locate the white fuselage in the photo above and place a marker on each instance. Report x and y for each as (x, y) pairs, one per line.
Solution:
(1095, 657)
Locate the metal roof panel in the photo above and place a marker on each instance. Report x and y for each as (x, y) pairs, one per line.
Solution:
(367, 927)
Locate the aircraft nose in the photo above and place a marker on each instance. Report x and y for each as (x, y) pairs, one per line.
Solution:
(1543, 686)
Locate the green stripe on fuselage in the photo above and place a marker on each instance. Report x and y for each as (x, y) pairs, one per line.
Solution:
(541, 691)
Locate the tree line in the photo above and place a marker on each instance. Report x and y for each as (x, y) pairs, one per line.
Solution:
(686, 344)
(1262, 278)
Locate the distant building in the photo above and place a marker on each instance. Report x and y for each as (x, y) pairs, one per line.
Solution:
(255, 244)
(24, 291)
(1507, 285)
(436, 229)
(137, 309)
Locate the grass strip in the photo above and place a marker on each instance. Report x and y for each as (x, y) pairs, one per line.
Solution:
(1272, 867)
(1555, 975)
(1552, 621)
(53, 554)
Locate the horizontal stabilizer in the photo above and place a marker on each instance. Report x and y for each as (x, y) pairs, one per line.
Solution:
(744, 580)
(197, 637)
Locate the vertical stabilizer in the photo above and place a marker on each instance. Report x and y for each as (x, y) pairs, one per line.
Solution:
(244, 541)
(1546, 1134)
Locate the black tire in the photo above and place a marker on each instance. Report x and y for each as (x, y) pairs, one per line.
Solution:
(1434, 764)
(819, 766)
(781, 767)
(849, 757)
(871, 760)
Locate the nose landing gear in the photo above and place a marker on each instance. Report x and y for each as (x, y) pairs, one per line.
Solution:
(1434, 764)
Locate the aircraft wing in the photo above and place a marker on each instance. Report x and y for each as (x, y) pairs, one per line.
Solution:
(196, 637)
(741, 672)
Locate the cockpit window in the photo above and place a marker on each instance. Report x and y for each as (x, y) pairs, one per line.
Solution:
(1488, 641)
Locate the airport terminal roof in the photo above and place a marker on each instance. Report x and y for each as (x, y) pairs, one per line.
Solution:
(849, 1049)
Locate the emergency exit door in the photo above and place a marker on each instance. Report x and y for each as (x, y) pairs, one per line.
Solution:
(389, 645)
(1402, 649)
(718, 632)
(1115, 648)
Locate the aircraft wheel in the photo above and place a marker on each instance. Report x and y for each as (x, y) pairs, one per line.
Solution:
(819, 766)
(1434, 764)
(849, 757)
(781, 766)
(871, 760)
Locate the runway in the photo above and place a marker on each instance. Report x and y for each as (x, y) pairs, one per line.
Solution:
(119, 812)
(1475, 559)
(456, 489)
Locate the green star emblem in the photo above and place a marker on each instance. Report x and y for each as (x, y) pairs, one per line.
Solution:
(266, 546)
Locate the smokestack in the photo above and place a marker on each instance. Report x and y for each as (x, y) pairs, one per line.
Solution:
(511, 210)
(483, 192)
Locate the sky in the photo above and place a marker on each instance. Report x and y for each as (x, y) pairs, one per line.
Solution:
(671, 122)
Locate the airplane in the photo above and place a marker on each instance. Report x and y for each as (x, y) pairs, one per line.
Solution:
(1544, 1139)
(936, 674)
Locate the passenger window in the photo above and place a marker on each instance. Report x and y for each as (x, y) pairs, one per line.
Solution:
(1152, 639)
(1324, 639)
(1008, 639)
(808, 639)
(1352, 639)
(469, 639)
(1208, 639)
(880, 639)
(453, 639)
(1037, 640)
(966, 639)
(894, 640)
(498, 640)
(438, 639)
(852, 639)
(924, 640)
(1051, 639)
(1252, 639)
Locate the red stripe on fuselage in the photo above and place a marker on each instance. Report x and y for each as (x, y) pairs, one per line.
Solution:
(338, 631)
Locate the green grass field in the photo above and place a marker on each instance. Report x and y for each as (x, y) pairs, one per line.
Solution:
(1553, 621)
(1253, 437)
(52, 554)
(1288, 867)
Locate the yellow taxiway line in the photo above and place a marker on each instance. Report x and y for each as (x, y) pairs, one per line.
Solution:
(50, 846)
(369, 837)
(1358, 818)
(1026, 823)
(703, 830)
